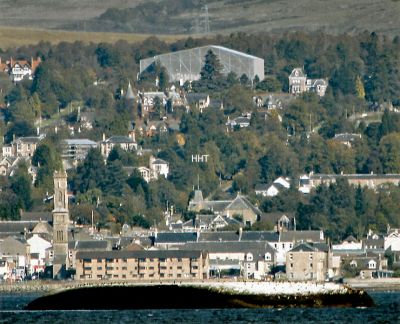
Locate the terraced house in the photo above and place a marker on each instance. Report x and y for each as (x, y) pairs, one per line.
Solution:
(147, 265)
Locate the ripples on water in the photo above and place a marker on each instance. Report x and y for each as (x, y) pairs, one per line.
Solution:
(387, 311)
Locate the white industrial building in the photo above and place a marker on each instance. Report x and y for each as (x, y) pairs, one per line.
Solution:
(186, 65)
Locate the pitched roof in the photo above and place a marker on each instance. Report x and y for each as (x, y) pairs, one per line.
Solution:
(305, 236)
(297, 73)
(36, 216)
(137, 254)
(91, 245)
(240, 203)
(308, 247)
(43, 228)
(117, 139)
(169, 237)
(80, 141)
(274, 217)
(218, 236)
(232, 236)
(256, 247)
(159, 161)
(193, 97)
(30, 139)
(16, 227)
(13, 246)
(269, 236)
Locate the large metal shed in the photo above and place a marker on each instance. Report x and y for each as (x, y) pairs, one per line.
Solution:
(186, 65)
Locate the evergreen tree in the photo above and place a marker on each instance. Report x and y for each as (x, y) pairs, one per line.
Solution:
(114, 179)
(211, 71)
(163, 79)
(21, 186)
(91, 172)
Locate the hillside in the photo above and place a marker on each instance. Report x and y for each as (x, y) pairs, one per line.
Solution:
(188, 16)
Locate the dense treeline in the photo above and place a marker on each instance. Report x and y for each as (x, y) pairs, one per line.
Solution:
(363, 75)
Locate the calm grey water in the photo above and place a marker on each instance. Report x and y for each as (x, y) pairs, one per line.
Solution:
(387, 311)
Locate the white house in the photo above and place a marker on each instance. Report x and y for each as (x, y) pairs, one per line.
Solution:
(38, 246)
(127, 143)
(392, 240)
(274, 189)
(350, 243)
(299, 83)
(157, 168)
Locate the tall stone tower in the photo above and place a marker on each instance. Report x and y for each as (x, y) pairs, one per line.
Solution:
(60, 224)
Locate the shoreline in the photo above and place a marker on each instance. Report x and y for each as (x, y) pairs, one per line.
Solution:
(50, 286)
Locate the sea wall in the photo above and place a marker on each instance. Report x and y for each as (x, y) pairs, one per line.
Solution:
(374, 284)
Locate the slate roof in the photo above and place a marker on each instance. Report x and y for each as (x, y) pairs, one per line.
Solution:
(16, 227)
(119, 139)
(194, 97)
(137, 254)
(207, 220)
(36, 216)
(240, 202)
(275, 216)
(257, 248)
(218, 236)
(269, 236)
(168, 237)
(91, 245)
(13, 246)
(305, 236)
(308, 247)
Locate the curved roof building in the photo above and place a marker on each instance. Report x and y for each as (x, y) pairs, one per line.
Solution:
(186, 65)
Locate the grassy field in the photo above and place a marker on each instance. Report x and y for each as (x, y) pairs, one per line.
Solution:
(27, 21)
(15, 37)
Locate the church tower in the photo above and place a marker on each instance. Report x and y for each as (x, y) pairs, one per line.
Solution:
(60, 224)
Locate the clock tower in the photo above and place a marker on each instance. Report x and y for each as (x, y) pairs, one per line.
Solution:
(60, 224)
